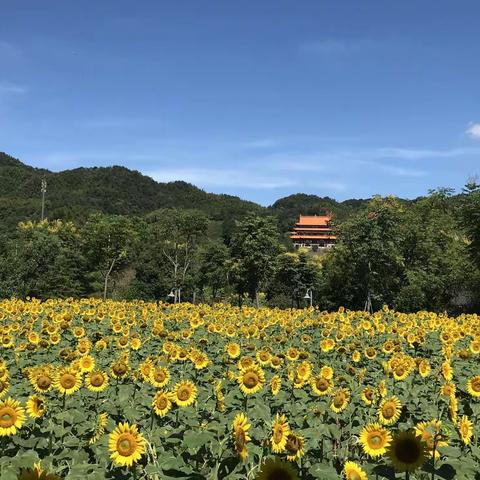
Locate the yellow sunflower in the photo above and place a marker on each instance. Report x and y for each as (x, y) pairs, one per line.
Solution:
(67, 381)
(119, 369)
(36, 406)
(159, 376)
(86, 363)
(97, 381)
(280, 432)
(375, 439)
(295, 447)
(12, 417)
(431, 434)
(185, 393)
(473, 386)
(389, 410)
(3, 387)
(340, 400)
(251, 379)
(275, 385)
(353, 471)
(99, 429)
(368, 395)
(240, 435)
(407, 452)
(41, 379)
(126, 445)
(275, 469)
(465, 428)
(321, 385)
(162, 403)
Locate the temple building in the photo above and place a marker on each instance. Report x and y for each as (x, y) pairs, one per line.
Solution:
(314, 232)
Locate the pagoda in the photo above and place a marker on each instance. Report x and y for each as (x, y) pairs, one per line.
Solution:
(314, 232)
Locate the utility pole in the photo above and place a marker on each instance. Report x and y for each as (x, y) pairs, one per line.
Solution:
(44, 191)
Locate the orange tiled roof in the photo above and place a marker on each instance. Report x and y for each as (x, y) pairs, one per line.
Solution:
(311, 220)
(314, 237)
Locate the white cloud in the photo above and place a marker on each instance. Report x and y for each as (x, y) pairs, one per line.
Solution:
(12, 88)
(402, 172)
(473, 131)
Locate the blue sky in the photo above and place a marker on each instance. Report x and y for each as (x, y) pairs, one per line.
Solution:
(259, 99)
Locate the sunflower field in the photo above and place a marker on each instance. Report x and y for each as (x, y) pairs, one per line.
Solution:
(133, 390)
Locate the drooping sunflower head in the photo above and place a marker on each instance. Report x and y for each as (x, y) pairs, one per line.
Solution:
(353, 471)
(185, 393)
(36, 473)
(36, 406)
(295, 446)
(126, 445)
(275, 385)
(407, 452)
(465, 428)
(240, 435)
(251, 379)
(375, 439)
(389, 410)
(12, 417)
(280, 432)
(276, 469)
(431, 433)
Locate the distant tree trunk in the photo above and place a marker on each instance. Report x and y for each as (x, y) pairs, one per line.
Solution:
(105, 286)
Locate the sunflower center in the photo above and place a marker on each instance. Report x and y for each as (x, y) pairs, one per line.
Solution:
(183, 393)
(126, 444)
(240, 439)
(277, 434)
(375, 441)
(293, 444)
(67, 381)
(354, 476)
(476, 385)
(369, 394)
(250, 379)
(44, 382)
(120, 368)
(407, 451)
(322, 384)
(278, 474)
(388, 411)
(7, 417)
(338, 400)
(162, 403)
(159, 376)
(97, 380)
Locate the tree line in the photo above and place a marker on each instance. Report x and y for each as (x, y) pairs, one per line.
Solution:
(410, 256)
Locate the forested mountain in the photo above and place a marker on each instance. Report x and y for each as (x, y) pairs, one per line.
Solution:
(74, 194)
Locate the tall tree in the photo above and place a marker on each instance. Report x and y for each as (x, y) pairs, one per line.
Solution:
(254, 246)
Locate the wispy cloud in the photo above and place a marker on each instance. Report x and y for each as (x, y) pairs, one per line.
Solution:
(473, 130)
(7, 88)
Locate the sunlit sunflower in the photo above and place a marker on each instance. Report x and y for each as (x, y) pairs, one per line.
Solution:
(96, 381)
(251, 379)
(465, 427)
(295, 447)
(275, 385)
(275, 469)
(162, 403)
(424, 368)
(389, 410)
(126, 445)
(119, 369)
(473, 386)
(41, 379)
(185, 393)
(321, 385)
(326, 372)
(159, 376)
(431, 433)
(448, 389)
(407, 452)
(280, 432)
(368, 395)
(12, 417)
(67, 381)
(340, 400)
(36, 406)
(375, 439)
(3, 387)
(86, 363)
(233, 350)
(240, 435)
(353, 471)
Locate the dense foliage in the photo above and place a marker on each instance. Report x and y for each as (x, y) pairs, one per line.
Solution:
(114, 233)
